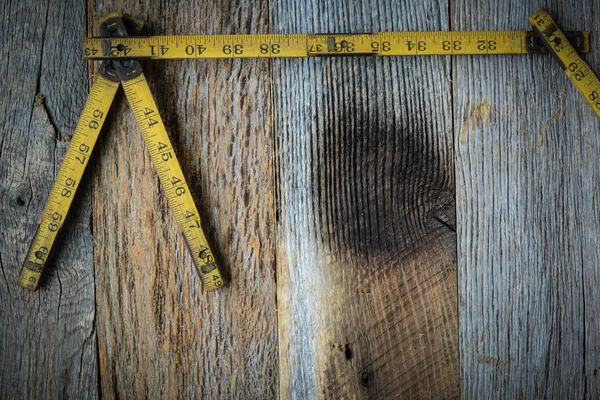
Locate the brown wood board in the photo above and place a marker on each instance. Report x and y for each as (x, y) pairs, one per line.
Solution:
(162, 336)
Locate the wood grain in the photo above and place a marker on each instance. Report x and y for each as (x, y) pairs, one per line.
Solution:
(529, 228)
(160, 335)
(339, 174)
(366, 249)
(47, 338)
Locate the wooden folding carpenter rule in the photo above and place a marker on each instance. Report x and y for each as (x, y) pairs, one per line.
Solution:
(121, 47)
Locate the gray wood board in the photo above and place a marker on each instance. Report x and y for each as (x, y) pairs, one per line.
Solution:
(528, 200)
(47, 338)
(366, 248)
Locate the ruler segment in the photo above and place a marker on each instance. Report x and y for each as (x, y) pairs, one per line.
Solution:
(171, 177)
(576, 69)
(342, 44)
(68, 180)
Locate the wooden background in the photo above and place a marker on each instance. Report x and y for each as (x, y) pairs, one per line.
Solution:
(391, 227)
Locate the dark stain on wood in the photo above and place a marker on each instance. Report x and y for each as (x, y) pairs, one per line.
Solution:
(365, 181)
(348, 352)
(379, 186)
(365, 379)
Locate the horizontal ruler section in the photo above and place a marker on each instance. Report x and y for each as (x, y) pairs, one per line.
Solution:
(301, 45)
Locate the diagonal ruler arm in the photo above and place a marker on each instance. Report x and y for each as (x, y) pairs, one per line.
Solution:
(68, 179)
(172, 179)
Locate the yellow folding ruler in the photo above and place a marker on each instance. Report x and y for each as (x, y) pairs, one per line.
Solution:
(120, 67)
(576, 69)
(112, 74)
(301, 45)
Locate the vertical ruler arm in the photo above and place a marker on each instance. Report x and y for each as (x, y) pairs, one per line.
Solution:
(67, 180)
(172, 179)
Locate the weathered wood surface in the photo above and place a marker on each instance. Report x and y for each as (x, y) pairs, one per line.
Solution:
(336, 173)
(47, 339)
(528, 199)
(160, 335)
(366, 260)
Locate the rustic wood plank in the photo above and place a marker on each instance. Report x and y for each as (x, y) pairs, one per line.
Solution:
(160, 336)
(366, 249)
(529, 227)
(48, 338)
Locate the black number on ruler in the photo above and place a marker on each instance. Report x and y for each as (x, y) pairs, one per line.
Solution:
(189, 214)
(455, 45)
(556, 41)
(572, 67)
(315, 48)
(595, 96)
(90, 52)
(179, 189)
(114, 50)
(93, 124)
(163, 49)
(163, 148)
(147, 113)
(385, 46)
(191, 50)
(53, 226)
(343, 47)
(420, 45)
(40, 255)
(274, 49)
(236, 49)
(486, 45)
(579, 75)
(206, 256)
